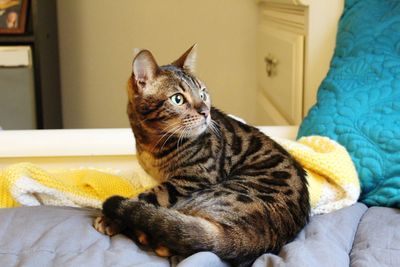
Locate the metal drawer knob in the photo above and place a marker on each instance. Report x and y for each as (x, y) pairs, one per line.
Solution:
(270, 65)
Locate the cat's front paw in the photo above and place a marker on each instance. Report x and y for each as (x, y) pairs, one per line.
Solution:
(106, 226)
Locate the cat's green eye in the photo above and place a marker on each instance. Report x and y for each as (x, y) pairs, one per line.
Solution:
(203, 95)
(177, 99)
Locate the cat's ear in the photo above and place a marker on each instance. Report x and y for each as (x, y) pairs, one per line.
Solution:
(144, 67)
(188, 60)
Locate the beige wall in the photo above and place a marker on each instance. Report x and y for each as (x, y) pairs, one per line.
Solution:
(97, 38)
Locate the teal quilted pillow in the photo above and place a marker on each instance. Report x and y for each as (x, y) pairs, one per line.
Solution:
(358, 103)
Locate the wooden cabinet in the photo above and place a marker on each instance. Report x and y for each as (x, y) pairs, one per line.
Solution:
(294, 47)
(42, 36)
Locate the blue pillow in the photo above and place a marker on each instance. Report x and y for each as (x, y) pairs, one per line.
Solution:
(358, 103)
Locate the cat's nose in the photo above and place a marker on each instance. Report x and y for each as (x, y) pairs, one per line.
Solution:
(203, 110)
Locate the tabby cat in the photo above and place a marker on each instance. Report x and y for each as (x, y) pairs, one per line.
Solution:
(225, 186)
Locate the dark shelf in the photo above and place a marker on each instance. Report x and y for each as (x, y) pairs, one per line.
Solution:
(42, 36)
(17, 39)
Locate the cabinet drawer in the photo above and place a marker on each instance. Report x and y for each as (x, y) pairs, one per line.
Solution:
(267, 113)
(280, 70)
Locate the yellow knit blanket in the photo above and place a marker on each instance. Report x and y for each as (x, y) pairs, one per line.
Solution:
(333, 181)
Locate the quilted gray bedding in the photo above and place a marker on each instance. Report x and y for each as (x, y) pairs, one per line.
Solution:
(57, 236)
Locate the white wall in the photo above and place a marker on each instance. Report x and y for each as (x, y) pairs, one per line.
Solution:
(97, 38)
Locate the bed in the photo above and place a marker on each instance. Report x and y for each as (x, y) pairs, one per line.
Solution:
(64, 236)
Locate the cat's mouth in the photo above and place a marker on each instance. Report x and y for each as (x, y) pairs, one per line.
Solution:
(192, 127)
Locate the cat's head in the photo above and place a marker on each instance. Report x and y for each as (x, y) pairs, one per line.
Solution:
(168, 99)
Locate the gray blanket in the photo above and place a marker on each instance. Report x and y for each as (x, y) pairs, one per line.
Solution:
(54, 236)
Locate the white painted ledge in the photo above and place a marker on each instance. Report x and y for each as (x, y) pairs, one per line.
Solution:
(289, 2)
(87, 142)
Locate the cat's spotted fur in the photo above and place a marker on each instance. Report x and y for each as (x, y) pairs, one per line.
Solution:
(225, 186)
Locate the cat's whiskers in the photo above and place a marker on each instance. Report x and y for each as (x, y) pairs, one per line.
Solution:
(172, 134)
(214, 127)
(182, 135)
(167, 135)
(179, 139)
(171, 130)
(166, 132)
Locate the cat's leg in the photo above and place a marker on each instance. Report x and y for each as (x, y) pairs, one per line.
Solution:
(202, 223)
(107, 226)
(165, 195)
(162, 225)
(111, 225)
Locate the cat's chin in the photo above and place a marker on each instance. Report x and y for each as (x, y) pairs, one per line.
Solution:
(202, 127)
(197, 130)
